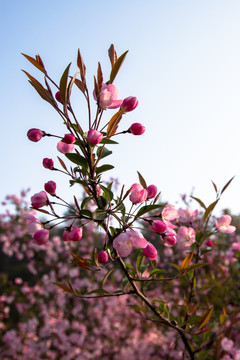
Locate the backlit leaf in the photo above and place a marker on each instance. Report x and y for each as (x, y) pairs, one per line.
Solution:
(227, 184)
(142, 180)
(113, 123)
(35, 63)
(117, 66)
(186, 261)
(63, 84)
(205, 318)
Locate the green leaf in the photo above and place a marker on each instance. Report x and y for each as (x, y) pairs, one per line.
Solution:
(103, 151)
(63, 287)
(98, 291)
(205, 318)
(103, 168)
(199, 201)
(210, 209)
(108, 141)
(107, 275)
(85, 201)
(196, 266)
(99, 215)
(186, 261)
(117, 66)
(63, 84)
(142, 181)
(77, 159)
(101, 202)
(140, 261)
(157, 271)
(87, 213)
(145, 209)
(108, 193)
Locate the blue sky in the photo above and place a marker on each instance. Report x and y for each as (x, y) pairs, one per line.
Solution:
(183, 65)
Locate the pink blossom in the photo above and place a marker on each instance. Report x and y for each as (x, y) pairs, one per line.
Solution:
(227, 344)
(186, 235)
(48, 163)
(33, 227)
(137, 129)
(188, 215)
(35, 134)
(108, 97)
(69, 139)
(75, 234)
(94, 136)
(102, 257)
(130, 103)
(65, 148)
(169, 238)
(58, 97)
(235, 246)
(138, 194)
(223, 224)
(126, 241)
(159, 226)
(169, 213)
(41, 236)
(152, 191)
(30, 218)
(209, 243)
(150, 251)
(50, 187)
(39, 199)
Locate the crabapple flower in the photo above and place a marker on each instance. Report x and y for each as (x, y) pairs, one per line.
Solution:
(223, 224)
(41, 236)
(169, 213)
(150, 251)
(126, 241)
(33, 224)
(94, 136)
(188, 215)
(65, 148)
(35, 134)
(50, 187)
(209, 243)
(169, 238)
(159, 226)
(103, 257)
(137, 129)
(138, 194)
(69, 139)
(58, 97)
(39, 199)
(130, 103)
(108, 97)
(186, 235)
(227, 344)
(152, 191)
(75, 234)
(48, 163)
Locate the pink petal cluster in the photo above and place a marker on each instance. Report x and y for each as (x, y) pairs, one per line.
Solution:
(108, 97)
(186, 235)
(35, 134)
(130, 103)
(126, 241)
(50, 187)
(65, 148)
(69, 139)
(138, 194)
(188, 215)
(94, 136)
(152, 191)
(33, 224)
(159, 226)
(150, 251)
(137, 129)
(103, 257)
(169, 213)
(39, 199)
(223, 224)
(48, 163)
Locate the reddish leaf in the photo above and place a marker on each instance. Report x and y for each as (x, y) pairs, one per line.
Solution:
(35, 63)
(113, 123)
(112, 55)
(205, 318)
(117, 66)
(81, 66)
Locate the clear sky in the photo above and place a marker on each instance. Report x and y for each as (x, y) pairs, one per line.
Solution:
(183, 65)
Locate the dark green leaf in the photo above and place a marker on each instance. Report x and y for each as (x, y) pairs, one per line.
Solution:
(77, 159)
(101, 202)
(103, 168)
(107, 275)
(63, 84)
(87, 213)
(145, 209)
(103, 151)
(108, 193)
(108, 141)
(195, 266)
(85, 201)
(98, 291)
(156, 271)
(99, 215)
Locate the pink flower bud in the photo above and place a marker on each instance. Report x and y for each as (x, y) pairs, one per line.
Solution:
(65, 148)
(69, 139)
(159, 226)
(94, 136)
(137, 129)
(152, 191)
(136, 187)
(35, 134)
(130, 103)
(39, 199)
(138, 196)
(103, 257)
(169, 240)
(48, 163)
(209, 243)
(41, 236)
(58, 97)
(50, 187)
(75, 234)
(150, 251)
(65, 235)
